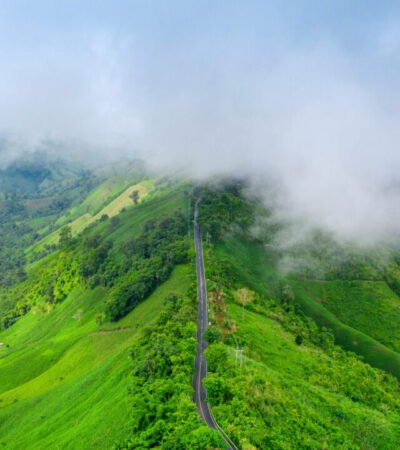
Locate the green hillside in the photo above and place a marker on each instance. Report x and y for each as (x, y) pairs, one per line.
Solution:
(63, 375)
(354, 293)
(112, 208)
(64, 366)
(98, 319)
(293, 387)
(369, 306)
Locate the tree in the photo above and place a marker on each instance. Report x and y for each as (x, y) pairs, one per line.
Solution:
(212, 335)
(114, 222)
(203, 437)
(299, 339)
(65, 236)
(217, 357)
(216, 388)
(135, 196)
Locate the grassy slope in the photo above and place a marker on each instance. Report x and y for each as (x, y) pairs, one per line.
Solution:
(110, 188)
(112, 208)
(291, 387)
(133, 219)
(302, 380)
(65, 376)
(370, 306)
(164, 201)
(61, 374)
(347, 336)
(362, 333)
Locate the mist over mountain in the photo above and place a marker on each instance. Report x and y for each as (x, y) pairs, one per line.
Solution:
(260, 91)
(199, 225)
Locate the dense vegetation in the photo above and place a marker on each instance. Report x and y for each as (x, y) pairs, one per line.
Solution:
(147, 261)
(293, 388)
(64, 375)
(132, 270)
(163, 412)
(98, 329)
(62, 357)
(33, 193)
(223, 210)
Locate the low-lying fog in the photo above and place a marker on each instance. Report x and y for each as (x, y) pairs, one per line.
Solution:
(298, 95)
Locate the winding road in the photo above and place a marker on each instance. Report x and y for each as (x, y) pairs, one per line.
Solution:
(200, 394)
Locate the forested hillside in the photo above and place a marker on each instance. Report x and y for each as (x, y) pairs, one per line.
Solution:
(280, 373)
(69, 324)
(98, 318)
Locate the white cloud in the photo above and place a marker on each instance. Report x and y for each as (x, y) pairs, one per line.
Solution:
(303, 117)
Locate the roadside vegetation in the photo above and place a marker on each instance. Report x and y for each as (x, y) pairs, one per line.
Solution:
(98, 328)
(163, 412)
(69, 326)
(277, 376)
(291, 387)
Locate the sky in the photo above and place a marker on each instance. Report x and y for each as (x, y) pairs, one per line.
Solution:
(300, 94)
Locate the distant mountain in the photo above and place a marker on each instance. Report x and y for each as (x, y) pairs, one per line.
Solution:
(38, 173)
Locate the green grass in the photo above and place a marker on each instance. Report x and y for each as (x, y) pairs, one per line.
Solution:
(359, 331)
(300, 394)
(124, 200)
(348, 337)
(368, 306)
(158, 203)
(252, 262)
(64, 378)
(100, 196)
(132, 220)
(38, 222)
(112, 208)
(289, 395)
(85, 413)
(63, 375)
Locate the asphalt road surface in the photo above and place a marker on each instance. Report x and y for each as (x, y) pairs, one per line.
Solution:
(202, 322)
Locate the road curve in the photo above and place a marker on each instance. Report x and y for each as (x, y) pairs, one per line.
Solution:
(200, 394)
